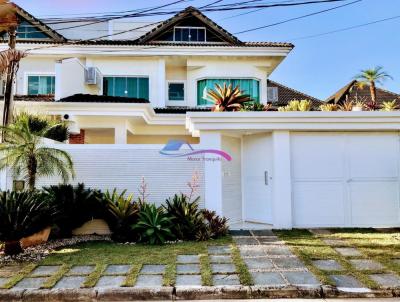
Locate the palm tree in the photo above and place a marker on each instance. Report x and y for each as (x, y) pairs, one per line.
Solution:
(372, 77)
(26, 154)
(227, 99)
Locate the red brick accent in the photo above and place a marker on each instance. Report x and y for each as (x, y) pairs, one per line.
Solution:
(77, 138)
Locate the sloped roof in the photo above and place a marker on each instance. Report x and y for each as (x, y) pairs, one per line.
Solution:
(354, 89)
(52, 34)
(189, 11)
(287, 94)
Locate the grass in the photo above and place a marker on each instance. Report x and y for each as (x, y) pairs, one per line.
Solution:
(102, 254)
(376, 246)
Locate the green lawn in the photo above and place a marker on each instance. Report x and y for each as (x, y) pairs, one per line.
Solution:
(377, 246)
(102, 254)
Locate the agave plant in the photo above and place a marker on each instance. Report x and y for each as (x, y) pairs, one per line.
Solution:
(186, 216)
(347, 106)
(305, 105)
(226, 98)
(123, 214)
(22, 214)
(329, 107)
(296, 105)
(389, 106)
(154, 225)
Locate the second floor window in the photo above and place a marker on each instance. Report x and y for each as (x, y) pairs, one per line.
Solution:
(41, 85)
(132, 87)
(189, 34)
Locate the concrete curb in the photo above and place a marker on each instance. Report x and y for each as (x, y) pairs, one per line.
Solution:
(190, 293)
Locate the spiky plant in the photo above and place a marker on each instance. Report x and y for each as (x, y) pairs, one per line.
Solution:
(226, 98)
(372, 77)
(347, 106)
(329, 107)
(389, 106)
(218, 225)
(25, 153)
(22, 214)
(123, 214)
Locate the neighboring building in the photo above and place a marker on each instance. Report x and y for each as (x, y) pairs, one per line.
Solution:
(355, 91)
(135, 91)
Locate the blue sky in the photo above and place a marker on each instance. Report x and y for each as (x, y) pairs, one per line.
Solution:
(318, 66)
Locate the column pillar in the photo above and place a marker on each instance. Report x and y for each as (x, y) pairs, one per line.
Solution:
(120, 134)
(282, 180)
(212, 173)
(161, 85)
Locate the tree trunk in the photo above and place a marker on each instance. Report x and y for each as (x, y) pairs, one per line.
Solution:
(372, 90)
(12, 247)
(32, 169)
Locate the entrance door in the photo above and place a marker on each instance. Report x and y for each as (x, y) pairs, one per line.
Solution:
(257, 172)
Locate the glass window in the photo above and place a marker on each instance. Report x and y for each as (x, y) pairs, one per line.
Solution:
(176, 91)
(132, 87)
(190, 34)
(26, 30)
(248, 86)
(41, 85)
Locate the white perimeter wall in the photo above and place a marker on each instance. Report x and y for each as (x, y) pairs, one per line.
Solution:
(122, 167)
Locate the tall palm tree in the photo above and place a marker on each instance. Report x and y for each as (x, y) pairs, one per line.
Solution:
(26, 154)
(372, 77)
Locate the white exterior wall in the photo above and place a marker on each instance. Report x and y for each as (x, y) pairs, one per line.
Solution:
(122, 167)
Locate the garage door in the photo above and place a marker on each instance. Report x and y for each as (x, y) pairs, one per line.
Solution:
(345, 180)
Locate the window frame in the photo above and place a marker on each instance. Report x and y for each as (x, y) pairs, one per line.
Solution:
(175, 102)
(228, 78)
(124, 76)
(191, 27)
(37, 74)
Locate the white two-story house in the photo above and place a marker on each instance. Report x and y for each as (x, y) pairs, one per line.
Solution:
(129, 87)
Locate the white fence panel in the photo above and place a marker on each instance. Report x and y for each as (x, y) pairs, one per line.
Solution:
(123, 166)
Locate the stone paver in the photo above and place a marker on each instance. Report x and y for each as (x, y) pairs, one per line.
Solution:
(386, 280)
(45, 270)
(30, 283)
(223, 268)
(226, 280)
(262, 263)
(263, 233)
(346, 281)
(268, 278)
(219, 250)
(70, 282)
(245, 240)
(149, 281)
(288, 263)
(335, 242)
(191, 280)
(327, 265)
(3, 281)
(188, 269)
(240, 233)
(153, 269)
(188, 259)
(82, 270)
(110, 281)
(278, 250)
(301, 278)
(365, 264)
(252, 251)
(115, 269)
(348, 251)
(10, 270)
(220, 259)
(269, 240)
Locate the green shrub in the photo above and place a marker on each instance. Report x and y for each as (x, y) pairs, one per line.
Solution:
(123, 213)
(75, 205)
(22, 214)
(186, 217)
(154, 225)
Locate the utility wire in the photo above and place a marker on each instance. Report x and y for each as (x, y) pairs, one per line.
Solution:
(345, 28)
(296, 18)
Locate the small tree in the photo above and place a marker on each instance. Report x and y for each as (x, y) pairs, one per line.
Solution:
(372, 77)
(27, 155)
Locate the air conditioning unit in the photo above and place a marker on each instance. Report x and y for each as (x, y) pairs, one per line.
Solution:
(92, 76)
